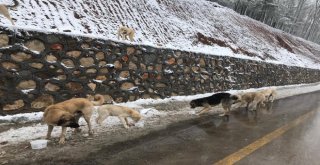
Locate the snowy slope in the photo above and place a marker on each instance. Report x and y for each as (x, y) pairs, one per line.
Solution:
(193, 25)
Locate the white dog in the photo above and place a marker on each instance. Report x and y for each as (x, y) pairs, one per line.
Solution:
(269, 94)
(126, 33)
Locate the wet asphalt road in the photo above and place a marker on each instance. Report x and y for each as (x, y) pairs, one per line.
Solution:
(209, 139)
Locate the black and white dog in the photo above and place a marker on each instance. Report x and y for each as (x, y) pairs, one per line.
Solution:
(226, 100)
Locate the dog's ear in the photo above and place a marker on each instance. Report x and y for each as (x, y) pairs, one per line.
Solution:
(235, 97)
(61, 121)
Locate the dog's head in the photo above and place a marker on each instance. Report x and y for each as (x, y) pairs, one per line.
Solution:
(68, 120)
(235, 98)
(135, 116)
(193, 104)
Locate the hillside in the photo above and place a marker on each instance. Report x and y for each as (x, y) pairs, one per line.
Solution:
(192, 25)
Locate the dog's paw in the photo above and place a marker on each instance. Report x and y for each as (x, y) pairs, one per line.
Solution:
(226, 118)
(131, 124)
(91, 133)
(62, 141)
(77, 130)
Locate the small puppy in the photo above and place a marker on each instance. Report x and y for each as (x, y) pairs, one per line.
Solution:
(67, 114)
(126, 33)
(252, 100)
(116, 110)
(270, 94)
(226, 100)
(5, 12)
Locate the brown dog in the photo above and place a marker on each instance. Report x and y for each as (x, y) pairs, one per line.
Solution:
(67, 114)
(5, 12)
(116, 110)
(126, 33)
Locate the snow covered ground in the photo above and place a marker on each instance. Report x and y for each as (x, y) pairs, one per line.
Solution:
(172, 24)
(149, 108)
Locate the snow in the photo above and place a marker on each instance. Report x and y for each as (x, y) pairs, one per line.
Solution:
(166, 24)
(160, 24)
(38, 130)
(23, 117)
(26, 91)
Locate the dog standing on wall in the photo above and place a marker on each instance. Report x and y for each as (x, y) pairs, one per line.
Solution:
(5, 12)
(126, 33)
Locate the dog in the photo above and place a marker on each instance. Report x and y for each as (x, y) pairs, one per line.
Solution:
(270, 94)
(5, 12)
(116, 110)
(126, 33)
(253, 100)
(226, 100)
(67, 114)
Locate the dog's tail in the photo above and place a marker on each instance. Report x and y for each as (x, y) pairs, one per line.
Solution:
(15, 4)
(99, 101)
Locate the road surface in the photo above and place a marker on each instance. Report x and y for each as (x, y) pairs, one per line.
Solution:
(287, 133)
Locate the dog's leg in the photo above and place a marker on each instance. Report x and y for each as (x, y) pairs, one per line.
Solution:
(123, 35)
(126, 119)
(62, 136)
(50, 128)
(205, 109)
(254, 105)
(226, 105)
(87, 119)
(101, 117)
(122, 119)
(127, 122)
(271, 98)
(131, 38)
(77, 130)
(226, 109)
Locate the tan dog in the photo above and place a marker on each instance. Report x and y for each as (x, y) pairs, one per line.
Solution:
(252, 100)
(67, 114)
(126, 33)
(5, 12)
(269, 93)
(116, 110)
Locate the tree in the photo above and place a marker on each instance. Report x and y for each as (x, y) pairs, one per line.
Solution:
(298, 17)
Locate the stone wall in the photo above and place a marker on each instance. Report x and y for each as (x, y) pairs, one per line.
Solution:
(39, 69)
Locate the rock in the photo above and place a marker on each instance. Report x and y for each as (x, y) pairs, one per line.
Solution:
(4, 40)
(68, 63)
(87, 61)
(35, 45)
(27, 84)
(20, 56)
(74, 54)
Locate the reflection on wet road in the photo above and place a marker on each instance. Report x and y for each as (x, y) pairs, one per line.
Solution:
(209, 139)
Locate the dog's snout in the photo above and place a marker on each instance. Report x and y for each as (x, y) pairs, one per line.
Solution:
(192, 105)
(74, 125)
